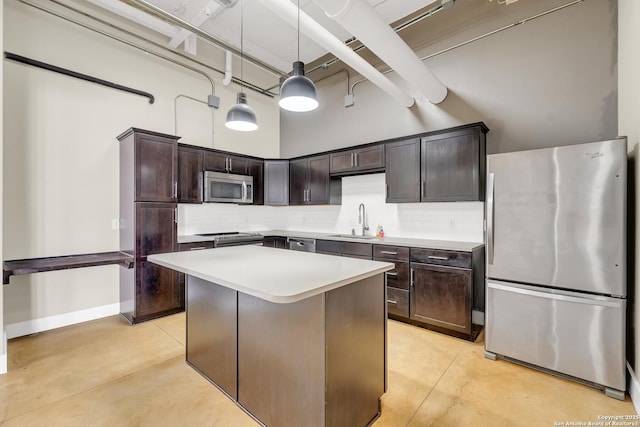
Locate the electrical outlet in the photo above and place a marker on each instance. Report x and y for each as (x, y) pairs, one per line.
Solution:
(115, 224)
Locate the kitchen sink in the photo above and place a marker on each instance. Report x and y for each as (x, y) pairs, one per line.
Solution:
(352, 236)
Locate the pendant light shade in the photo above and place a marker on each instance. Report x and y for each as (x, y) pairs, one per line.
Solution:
(241, 117)
(298, 93)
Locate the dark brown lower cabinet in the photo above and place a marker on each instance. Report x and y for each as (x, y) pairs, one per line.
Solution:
(275, 242)
(158, 291)
(397, 302)
(441, 296)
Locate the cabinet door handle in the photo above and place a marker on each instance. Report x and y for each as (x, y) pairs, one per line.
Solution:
(352, 160)
(442, 258)
(422, 189)
(230, 164)
(198, 248)
(392, 301)
(355, 156)
(226, 164)
(175, 215)
(389, 252)
(412, 277)
(175, 189)
(388, 273)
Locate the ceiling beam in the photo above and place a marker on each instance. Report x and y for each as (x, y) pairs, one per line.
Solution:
(149, 7)
(211, 9)
(137, 16)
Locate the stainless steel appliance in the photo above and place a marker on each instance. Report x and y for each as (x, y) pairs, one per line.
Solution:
(227, 187)
(303, 245)
(556, 260)
(234, 238)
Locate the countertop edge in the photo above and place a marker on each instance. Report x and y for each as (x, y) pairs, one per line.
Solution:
(447, 245)
(279, 299)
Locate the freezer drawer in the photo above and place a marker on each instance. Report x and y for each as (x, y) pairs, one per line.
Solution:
(575, 334)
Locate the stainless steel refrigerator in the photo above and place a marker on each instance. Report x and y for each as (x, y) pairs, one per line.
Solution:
(556, 261)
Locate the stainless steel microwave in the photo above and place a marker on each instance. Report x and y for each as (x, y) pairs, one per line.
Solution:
(227, 187)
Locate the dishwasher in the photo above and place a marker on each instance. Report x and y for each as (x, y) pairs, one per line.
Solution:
(303, 245)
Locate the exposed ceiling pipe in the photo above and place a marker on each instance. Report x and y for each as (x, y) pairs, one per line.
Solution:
(153, 9)
(228, 75)
(289, 12)
(361, 20)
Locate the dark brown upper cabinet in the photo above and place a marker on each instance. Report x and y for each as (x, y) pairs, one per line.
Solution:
(402, 172)
(221, 162)
(309, 181)
(276, 182)
(190, 167)
(365, 159)
(152, 158)
(453, 165)
(256, 170)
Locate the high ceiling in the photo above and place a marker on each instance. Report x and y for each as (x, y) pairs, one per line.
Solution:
(267, 36)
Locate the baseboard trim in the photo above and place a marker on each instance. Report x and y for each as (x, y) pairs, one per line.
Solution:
(634, 388)
(20, 329)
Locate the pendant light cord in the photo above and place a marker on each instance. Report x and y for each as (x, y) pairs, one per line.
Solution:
(242, 43)
(298, 30)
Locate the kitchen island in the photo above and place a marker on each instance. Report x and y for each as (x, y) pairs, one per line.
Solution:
(293, 338)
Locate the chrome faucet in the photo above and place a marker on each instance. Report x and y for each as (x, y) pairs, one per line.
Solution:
(362, 219)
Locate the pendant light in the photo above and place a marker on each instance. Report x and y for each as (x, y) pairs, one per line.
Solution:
(298, 93)
(241, 117)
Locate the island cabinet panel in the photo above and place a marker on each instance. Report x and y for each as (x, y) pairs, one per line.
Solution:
(190, 167)
(402, 172)
(281, 361)
(276, 182)
(212, 333)
(453, 165)
(355, 374)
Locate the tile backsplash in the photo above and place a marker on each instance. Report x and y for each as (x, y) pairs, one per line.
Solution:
(459, 221)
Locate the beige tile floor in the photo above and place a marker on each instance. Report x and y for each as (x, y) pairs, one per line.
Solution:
(107, 373)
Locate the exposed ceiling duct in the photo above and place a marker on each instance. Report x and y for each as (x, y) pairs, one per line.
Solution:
(289, 12)
(361, 20)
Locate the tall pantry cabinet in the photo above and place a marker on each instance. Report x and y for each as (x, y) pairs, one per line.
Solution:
(148, 223)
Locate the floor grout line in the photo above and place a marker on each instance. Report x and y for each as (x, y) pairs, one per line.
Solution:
(167, 332)
(434, 386)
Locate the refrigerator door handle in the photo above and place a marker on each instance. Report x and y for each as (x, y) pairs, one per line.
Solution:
(490, 214)
(558, 297)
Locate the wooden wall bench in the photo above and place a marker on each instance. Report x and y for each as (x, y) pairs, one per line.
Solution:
(38, 265)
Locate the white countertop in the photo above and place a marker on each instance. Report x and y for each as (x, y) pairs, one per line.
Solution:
(446, 245)
(275, 275)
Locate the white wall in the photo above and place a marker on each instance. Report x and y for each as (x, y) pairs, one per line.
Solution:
(629, 106)
(460, 221)
(3, 339)
(60, 172)
(551, 81)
